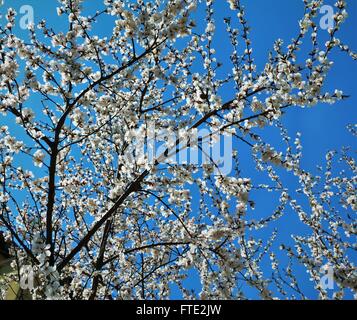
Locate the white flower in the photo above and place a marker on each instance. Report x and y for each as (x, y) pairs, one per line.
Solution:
(338, 94)
(38, 157)
(210, 27)
(216, 234)
(28, 114)
(4, 197)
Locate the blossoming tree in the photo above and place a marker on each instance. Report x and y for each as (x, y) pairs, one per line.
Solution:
(90, 215)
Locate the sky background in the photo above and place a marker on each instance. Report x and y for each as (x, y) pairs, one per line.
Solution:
(323, 127)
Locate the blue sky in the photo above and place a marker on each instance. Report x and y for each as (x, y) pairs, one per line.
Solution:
(323, 127)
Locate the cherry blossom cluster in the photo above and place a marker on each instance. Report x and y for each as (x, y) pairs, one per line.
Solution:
(95, 220)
